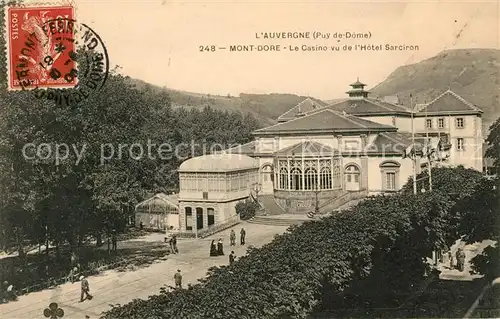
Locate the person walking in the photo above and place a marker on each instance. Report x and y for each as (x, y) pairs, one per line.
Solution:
(460, 259)
(174, 243)
(242, 236)
(213, 249)
(232, 238)
(178, 279)
(85, 290)
(171, 243)
(450, 257)
(231, 257)
(220, 248)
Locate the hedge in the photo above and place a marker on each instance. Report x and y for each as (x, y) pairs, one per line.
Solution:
(389, 236)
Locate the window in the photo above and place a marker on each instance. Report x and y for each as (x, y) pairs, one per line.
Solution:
(326, 178)
(283, 178)
(390, 175)
(296, 179)
(460, 144)
(211, 216)
(460, 122)
(428, 123)
(441, 123)
(188, 218)
(310, 179)
(205, 195)
(393, 121)
(390, 180)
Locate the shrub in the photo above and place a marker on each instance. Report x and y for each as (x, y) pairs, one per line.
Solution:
(246, 209)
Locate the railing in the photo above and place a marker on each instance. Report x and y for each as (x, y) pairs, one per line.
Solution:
(230, 222)
(92, 268)
(345, 198)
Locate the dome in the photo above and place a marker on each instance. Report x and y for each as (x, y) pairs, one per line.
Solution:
(218, 163)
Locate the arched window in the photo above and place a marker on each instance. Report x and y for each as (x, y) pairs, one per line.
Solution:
(283, 178)
(326, 178)
(390, 175)
(311, 178)
(296, 179)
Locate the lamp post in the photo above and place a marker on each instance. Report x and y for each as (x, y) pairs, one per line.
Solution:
(257, 187)
(316, 192)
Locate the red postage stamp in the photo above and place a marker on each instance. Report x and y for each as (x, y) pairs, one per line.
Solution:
(41, 47)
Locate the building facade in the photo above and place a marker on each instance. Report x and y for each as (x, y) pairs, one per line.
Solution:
(160, 212)
(318, 154)
(210, 188)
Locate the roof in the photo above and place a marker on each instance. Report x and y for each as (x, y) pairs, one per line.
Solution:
(308, 148)
(357, 83)
(305, 106)
(449, 102)
(367, 106)
(248, 148)
(222, 162)
(323, 121)
(394, 143)
(171, 200)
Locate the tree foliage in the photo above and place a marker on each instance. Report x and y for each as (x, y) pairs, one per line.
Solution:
(382, 242)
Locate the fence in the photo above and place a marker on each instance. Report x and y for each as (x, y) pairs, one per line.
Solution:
(92, 268)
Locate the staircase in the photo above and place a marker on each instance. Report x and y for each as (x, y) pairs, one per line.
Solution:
(273, 221)
(270, 205)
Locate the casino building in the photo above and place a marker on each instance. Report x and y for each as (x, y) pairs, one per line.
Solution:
(319, 156)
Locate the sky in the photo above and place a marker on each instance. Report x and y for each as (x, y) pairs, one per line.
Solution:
(159, 41)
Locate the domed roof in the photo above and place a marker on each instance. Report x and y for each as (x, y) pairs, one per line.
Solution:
(222, 162)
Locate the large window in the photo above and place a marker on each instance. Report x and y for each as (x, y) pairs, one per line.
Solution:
(283, 178)
(188, 218)
(211, 216)
(326, 178)
(296, 179)
(428, 123)
(460, 123)
(352, 174)
(311, 179)
(390, 181)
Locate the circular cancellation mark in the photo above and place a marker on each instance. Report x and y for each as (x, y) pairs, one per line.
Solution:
(72, 62)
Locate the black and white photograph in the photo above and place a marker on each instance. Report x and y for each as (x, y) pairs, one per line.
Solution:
(249, 159)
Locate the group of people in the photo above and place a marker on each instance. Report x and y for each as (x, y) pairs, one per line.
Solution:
(217, 249)
(460, 256)
(173, 244)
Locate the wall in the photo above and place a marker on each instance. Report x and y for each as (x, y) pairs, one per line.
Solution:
(375, 178)
(222, 212)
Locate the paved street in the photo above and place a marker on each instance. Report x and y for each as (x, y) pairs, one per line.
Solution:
(112, 287)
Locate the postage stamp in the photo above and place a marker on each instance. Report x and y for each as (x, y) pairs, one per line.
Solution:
(41, 50)
(53, 56)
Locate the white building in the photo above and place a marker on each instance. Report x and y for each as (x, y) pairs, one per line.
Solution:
(210, 188)
(324, 155)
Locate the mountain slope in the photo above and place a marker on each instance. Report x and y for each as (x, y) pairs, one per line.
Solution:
(474, 74)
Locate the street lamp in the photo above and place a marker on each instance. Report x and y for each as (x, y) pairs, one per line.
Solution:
(257, 188)
(317, 190)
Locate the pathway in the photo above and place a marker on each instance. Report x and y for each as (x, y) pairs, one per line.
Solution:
(112, 287)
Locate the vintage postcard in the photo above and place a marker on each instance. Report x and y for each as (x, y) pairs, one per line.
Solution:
(249, 159)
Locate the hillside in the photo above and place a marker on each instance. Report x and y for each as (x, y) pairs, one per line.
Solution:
(474, 74)
(264, 107)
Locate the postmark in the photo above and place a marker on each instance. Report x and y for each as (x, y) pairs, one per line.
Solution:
(54, 56)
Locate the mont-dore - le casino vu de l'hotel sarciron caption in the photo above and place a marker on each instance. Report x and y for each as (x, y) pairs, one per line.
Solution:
(330, 41)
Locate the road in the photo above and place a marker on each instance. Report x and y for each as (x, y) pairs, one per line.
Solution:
(112, 287)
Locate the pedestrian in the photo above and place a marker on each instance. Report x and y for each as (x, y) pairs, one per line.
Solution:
(242, 236)
(141, 225)
(213, 249)
(178, 279)
(450, 257)
(174, 243)
(171, 243)
(460, 259)
(232, 238)
(85, 289)
(231, 257)
(220, 248)
(113, 240)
